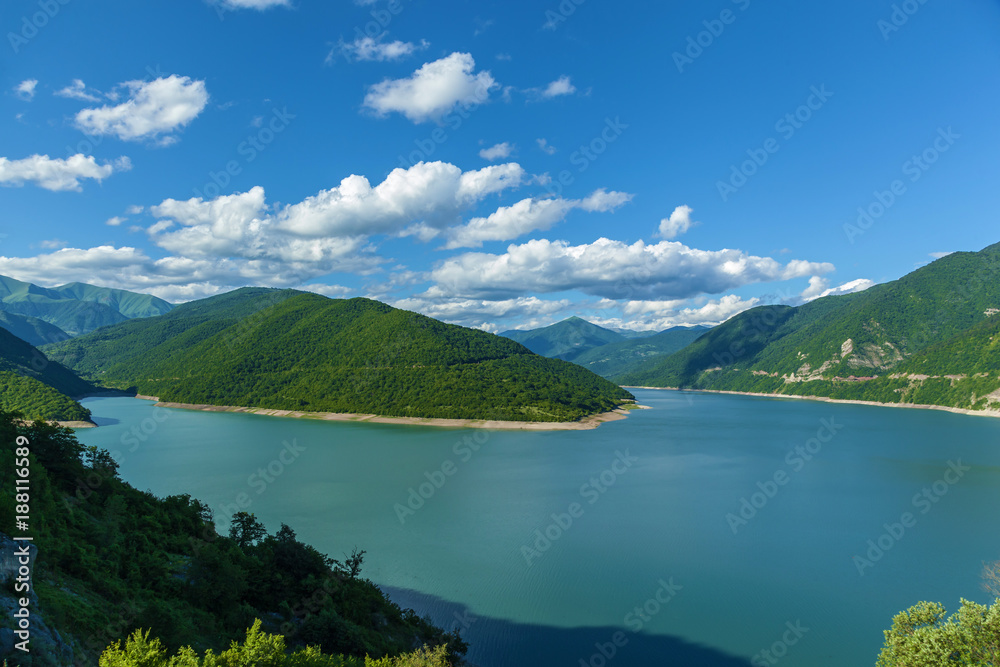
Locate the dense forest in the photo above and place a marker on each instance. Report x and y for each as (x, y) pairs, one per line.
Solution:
(112, 559)
(282, 349)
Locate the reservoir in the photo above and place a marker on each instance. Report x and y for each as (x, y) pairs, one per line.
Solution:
(710, 530)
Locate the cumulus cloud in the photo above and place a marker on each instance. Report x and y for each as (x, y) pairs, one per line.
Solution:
(611, 269)
(115, 221)
(432, 91)
(374, 49)
(529, 311)
(561, 86)
(678, 223)
(496, 152)
(78, 91)
(432, 193)
(26, 89)
(57, 174)
(543, 144)
(155, 109)
(528, 215)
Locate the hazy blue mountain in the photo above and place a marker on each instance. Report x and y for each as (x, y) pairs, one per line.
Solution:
(566, 339)
(31, 329)
(77, 308)
(615, 359)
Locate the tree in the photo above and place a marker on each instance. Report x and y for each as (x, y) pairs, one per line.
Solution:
(246, 530)
(921, 636)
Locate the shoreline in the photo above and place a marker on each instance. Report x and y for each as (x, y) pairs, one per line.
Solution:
(585, 424)
(824, 399)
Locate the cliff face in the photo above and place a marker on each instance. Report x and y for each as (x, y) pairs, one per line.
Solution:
(46, 646)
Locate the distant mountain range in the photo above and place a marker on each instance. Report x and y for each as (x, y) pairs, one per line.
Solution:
(607, 352)
(929, 338)
(290, 350)
(72, 309)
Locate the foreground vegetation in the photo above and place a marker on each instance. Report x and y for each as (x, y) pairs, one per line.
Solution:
(288, 350)
(113, 559)
(923, 636)
(259, 650)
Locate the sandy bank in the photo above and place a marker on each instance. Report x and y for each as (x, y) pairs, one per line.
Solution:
(959, 411)
(585, 424)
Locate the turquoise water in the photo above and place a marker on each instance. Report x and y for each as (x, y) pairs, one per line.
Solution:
(647, 558)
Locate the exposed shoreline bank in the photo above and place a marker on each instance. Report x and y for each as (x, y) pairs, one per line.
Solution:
(825, 399)
(585, 424)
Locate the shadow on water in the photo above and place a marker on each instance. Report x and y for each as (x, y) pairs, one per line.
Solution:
(105, 421)
(499, 643)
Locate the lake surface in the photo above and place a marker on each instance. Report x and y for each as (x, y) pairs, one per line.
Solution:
(647, 557)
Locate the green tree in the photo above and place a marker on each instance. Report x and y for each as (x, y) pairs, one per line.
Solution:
(922, 636)
(246, 529)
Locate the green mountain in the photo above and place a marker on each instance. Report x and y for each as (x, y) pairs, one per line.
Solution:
(616, 359)
(895, 342)
(31, 329)
(77, 308)
(36, 386)
(108, 559)
(282, 349)
(565, 340)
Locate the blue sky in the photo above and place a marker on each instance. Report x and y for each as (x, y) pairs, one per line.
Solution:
(498, 164)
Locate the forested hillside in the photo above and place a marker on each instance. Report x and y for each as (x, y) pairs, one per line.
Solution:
(36, 386)
(112, 559)
(927, 338)
(301, 351)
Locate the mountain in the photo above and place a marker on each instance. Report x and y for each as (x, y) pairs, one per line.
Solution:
(291, 350)
(31, 329)
(77, 308)
(564, 340)
(37, 387)
(616, 359)
(926, 338)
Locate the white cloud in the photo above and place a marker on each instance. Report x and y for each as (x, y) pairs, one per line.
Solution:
(374, 49)
(610, 269)
(433, 90)
(544, 145)
(939, 255)
(57, 174)
(115, 221)
(332, 291)
(434, 193)
(134, 209)
(26, 89)
(818, 288)
(53, 244)
(529, 311)
(78, 91)
(678, 223)
(528, 215)
(561, 86)
(154, 108)
(259, 5)
(496, 152)
(659, 315)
